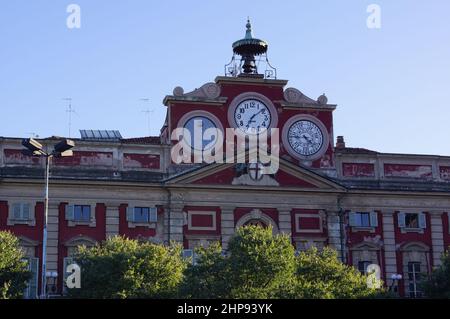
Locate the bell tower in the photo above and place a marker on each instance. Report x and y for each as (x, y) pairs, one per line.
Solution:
(250, 58)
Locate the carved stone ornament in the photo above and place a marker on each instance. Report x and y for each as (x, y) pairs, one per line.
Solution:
(209, 90)
(292, 95)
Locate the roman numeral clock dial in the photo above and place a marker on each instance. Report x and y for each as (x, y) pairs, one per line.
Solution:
(305, 137)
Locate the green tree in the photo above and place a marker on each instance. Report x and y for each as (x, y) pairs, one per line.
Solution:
(438, 284)
(208, 278)
(126, 268)
(320, 274)
(13, 269)
(256, 265)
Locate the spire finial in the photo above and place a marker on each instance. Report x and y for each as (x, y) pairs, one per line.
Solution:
(248, 32)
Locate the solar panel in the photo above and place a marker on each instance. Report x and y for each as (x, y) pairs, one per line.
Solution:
(100, 135)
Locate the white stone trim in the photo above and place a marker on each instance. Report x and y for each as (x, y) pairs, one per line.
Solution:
(32, 217)
(297, 226)
(200, 212)
(257, 214)
(91, 223)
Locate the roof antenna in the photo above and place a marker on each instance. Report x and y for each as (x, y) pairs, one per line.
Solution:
(148, 112)
(69, 110)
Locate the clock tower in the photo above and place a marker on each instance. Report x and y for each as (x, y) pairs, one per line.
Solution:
(250, 98)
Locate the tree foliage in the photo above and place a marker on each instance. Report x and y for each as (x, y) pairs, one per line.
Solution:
(125, 268)
(438, 284)
(320, 274)
(13, 269)
(261, 265)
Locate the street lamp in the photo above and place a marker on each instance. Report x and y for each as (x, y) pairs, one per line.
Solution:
(52, 276)
(34, 148)
(395, 279)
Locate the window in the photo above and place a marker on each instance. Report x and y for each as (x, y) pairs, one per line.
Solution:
(82, 213)
(142, 215)
(21, 211)
(414, 277)
(31, 291)
(412, 220)
(362, 266)
(363, 219)
(190, 253)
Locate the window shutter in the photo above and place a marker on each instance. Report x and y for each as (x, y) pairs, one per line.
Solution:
(25, 211)
(422, 220)
(401, 220)
(70, 215)
(33, 284)
(130, 214)
(373, 219)
(16, 208)
(352, 219)
(153, 215)
(92, 212)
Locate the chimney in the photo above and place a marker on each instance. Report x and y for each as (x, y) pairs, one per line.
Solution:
(340, 143)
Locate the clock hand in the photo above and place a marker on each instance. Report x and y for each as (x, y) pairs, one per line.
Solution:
(253, 116)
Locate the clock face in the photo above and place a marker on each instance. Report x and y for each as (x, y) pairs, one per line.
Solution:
(197, 126)
(252, 116)
(305, 137)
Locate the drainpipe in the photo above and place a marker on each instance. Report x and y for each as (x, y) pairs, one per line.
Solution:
(169, 205)
(342, 229)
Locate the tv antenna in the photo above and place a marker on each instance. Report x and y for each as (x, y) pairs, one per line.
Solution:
(148, 112)
(69, 110)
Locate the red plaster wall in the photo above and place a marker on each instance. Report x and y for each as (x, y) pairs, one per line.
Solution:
(275, 94)
(408, 171)
(15, 156)
(306, 211)
(203, 220)
(286, 179)
(224, 177)
(85, 158)
(131, 160)
(401, 239)
(356, 237)
(446, 229)
(139, 231)
(358, 170)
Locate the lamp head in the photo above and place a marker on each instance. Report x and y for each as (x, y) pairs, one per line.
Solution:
(63, 146)
(32, 145)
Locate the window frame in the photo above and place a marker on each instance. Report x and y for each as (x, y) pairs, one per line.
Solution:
(31, 218)
(415, 280)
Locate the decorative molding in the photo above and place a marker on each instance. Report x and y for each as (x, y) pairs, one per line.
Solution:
(79, 240)
(297, 216)
(196, 212)
(208, 90)
(257, 214)
(31, 221)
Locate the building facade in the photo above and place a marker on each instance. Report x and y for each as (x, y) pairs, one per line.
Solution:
(392, 210)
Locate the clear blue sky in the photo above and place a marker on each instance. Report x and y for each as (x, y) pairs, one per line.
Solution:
(392, 85)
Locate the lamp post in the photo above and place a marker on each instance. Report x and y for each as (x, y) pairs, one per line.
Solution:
(34, 148)
(395, 279)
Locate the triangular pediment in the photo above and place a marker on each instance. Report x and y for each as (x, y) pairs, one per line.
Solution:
(288, 175)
